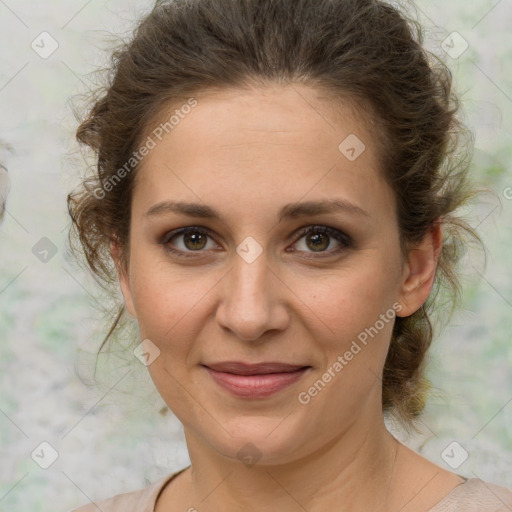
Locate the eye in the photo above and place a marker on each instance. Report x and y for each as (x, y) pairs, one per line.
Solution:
(194, 240)
(317, 239)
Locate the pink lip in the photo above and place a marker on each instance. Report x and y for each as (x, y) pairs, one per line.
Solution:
(257, 380)
(241, 368)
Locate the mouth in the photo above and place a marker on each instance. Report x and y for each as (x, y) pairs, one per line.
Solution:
(260, 380)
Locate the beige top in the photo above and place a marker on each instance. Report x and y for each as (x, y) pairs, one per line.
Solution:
(473, 495)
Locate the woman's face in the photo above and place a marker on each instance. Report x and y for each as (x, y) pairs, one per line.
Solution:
(251, 286)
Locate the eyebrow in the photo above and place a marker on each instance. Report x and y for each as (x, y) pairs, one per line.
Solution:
(292, 210)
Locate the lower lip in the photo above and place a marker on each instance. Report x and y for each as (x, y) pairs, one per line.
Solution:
(255, 386)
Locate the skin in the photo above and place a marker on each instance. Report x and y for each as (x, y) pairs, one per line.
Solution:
(247, 153)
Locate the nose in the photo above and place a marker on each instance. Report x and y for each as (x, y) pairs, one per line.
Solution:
(253, 300)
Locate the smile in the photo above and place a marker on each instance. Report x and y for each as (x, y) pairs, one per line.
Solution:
(251, 385)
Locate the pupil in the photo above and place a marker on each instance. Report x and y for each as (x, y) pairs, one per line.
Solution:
(195, 239)
(317, 240)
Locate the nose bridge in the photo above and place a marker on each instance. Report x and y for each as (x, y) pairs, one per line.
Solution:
(249, 305)
(250, 272)
(250, 277)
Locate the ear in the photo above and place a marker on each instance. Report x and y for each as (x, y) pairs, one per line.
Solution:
(124, 279)
(420, 271)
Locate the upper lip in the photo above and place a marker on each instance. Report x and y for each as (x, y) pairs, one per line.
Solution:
(241, 368)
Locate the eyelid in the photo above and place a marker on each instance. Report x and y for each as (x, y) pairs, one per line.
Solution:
(335, 233)
(183, 231)
(340, 236)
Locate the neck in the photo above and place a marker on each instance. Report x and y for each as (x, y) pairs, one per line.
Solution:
(354, 469)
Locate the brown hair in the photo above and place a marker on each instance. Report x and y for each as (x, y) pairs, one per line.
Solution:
(361, 49)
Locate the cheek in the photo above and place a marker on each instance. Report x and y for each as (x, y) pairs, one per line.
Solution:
(169, 303)
(353, 338)
(357, 338)
(352, 299)
(169, 309)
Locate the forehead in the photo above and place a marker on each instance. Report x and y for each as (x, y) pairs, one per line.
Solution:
(277, 144)
(245, 113)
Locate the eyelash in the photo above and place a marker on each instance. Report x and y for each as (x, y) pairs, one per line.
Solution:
(341, 237)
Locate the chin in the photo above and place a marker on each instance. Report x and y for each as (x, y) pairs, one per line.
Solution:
(257, 440)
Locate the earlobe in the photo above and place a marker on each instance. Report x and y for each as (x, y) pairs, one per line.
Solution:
(420, 271)
(123, 277)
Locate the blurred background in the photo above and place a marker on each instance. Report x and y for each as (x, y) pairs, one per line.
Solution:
(66, 439)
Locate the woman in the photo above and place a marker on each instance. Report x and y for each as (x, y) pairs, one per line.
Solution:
(277, 186)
